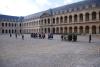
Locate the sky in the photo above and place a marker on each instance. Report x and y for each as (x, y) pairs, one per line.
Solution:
(27, 7)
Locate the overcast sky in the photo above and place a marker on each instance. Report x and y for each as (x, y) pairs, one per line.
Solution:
(26, 7)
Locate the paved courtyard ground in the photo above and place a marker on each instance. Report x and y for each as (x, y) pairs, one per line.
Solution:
(15, 52)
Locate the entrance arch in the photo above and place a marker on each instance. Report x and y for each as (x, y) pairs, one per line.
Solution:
(94, 29)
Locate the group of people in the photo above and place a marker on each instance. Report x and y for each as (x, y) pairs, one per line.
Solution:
(41, 35)
(38, 35)
(16, 35)
(69, 37)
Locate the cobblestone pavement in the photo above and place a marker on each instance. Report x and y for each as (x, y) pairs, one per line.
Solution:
(15, 52)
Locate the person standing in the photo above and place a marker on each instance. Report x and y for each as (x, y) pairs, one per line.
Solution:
(90, 38)
(22, 36)
(10, 35)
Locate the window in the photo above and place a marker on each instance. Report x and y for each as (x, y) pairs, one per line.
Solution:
(93, 15)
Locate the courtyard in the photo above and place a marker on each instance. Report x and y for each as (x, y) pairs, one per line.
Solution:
(30, 52)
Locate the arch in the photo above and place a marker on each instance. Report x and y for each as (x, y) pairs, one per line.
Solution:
(65, 19)
(48, 21)
(81, 29)
(61, 19)
(9, 31)
(93, 29)
(45, 21)
(75, 29)
(65, 29)
(12, 24)
(87, 29)
(9, 24)
(57, 20)
(87, 17)
(81, 17)
(2, 24)
(94, 15)
(6, 31)
(61, 30)
(48, 30)
(3, 31)
(6, 24)
(70, 29)
(57, 30)
(70, 18)
(75, 18)
(53, 20)
(53, 30)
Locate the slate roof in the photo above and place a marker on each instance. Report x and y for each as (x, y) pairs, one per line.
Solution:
(66, 8)
(10, 18)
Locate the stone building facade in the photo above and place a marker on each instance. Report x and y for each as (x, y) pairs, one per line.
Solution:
(82, 18)
(10, 24)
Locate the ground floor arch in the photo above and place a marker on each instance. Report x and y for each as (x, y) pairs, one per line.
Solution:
(94, 29)
(87, 29)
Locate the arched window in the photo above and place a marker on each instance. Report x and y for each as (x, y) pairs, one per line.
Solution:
(61, 19)
(57, 20)
(45, 21)
(48, 30)
(87, 29)
(65, 19)
(53, 20)
(6, 31)
(80, 29)
(81, 17)
(53, 30)
(9, 24)
(93, 15)
(70, 18)
(2, 30)
(57, 30)
(87, 17)
(2, 24)
(6, 24)
(48, 21)
(75, 18)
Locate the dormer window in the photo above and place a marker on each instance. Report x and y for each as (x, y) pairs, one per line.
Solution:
(93, 5)
(70, 10)
(75, 9)
(87, 6)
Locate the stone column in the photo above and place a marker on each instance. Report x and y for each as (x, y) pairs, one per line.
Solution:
(97, 16)
(97, 29)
